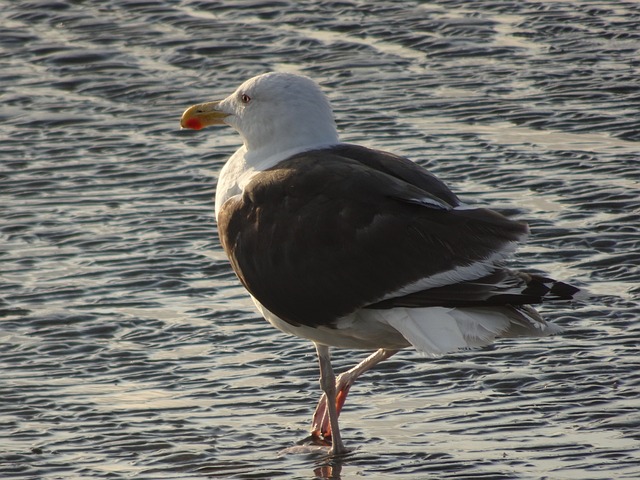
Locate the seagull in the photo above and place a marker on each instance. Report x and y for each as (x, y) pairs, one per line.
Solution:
(358, 248)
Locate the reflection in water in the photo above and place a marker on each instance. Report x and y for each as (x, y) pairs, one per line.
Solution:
(329, 471)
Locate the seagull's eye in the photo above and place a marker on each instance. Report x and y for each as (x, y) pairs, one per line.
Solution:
(244, 98)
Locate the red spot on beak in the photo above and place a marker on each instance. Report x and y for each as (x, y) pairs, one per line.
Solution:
(194, 124)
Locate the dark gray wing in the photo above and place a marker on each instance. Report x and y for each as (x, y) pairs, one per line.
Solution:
(500, 287)
(398, 167)
(321, 234)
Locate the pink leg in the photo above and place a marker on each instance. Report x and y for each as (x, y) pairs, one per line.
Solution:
(321, 425)
(328, 385)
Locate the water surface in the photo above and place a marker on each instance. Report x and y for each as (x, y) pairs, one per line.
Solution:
(128, 348)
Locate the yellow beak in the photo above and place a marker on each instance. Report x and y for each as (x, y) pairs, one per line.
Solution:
(202, 115)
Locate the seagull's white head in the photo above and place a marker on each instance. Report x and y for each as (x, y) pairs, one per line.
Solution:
(273, 112)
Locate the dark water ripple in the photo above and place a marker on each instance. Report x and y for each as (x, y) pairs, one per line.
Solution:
(127, 348)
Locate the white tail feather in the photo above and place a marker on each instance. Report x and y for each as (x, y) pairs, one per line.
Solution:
(438, 330)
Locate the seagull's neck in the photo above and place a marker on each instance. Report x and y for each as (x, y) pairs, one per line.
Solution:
(244, 164)
(263, 158)
(267, 144)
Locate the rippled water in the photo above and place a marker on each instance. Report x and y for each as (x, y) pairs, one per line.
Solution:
(128, 348)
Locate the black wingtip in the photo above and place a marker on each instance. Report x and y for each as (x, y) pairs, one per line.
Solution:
(564, 291)
(548, 288)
